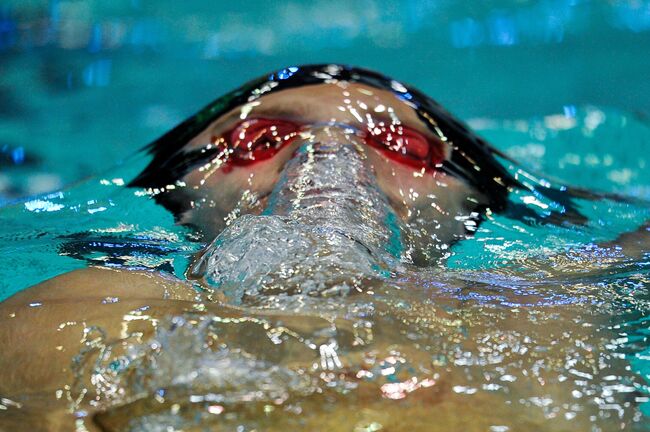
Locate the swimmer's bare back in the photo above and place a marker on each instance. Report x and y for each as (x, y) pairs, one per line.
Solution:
(43, 328)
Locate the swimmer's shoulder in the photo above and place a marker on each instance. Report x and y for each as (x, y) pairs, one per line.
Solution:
(95, 282)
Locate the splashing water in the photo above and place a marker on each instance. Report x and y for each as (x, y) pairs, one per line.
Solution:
(323, 233)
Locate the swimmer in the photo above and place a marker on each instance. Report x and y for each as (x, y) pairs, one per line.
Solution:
(313, 188)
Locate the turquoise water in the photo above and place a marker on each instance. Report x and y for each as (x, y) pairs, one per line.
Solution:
(557, 85)
(84, 84)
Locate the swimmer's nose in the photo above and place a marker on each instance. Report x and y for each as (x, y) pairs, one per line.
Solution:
(328, 138)
(328, 164)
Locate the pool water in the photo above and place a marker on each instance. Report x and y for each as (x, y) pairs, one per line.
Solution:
(85, 85)
(538, 326)
(540, 320)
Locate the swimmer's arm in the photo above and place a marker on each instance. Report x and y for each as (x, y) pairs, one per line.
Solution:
(594, 259)
(627, 248)
(633, 244)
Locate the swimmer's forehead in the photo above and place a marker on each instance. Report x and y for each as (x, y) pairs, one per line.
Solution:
(355, 104)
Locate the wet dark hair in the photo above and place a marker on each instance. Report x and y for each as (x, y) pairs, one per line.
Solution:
(472, 158)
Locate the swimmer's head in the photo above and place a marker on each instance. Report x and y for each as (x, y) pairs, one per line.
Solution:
(438, 177)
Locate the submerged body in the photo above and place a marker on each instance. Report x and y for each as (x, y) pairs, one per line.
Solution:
(321, 300)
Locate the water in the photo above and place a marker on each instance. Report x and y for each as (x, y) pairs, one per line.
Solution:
(507, 59)
(535, 320)
(352, 283)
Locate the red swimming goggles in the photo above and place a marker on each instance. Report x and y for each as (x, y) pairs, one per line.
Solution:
(255, 140)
